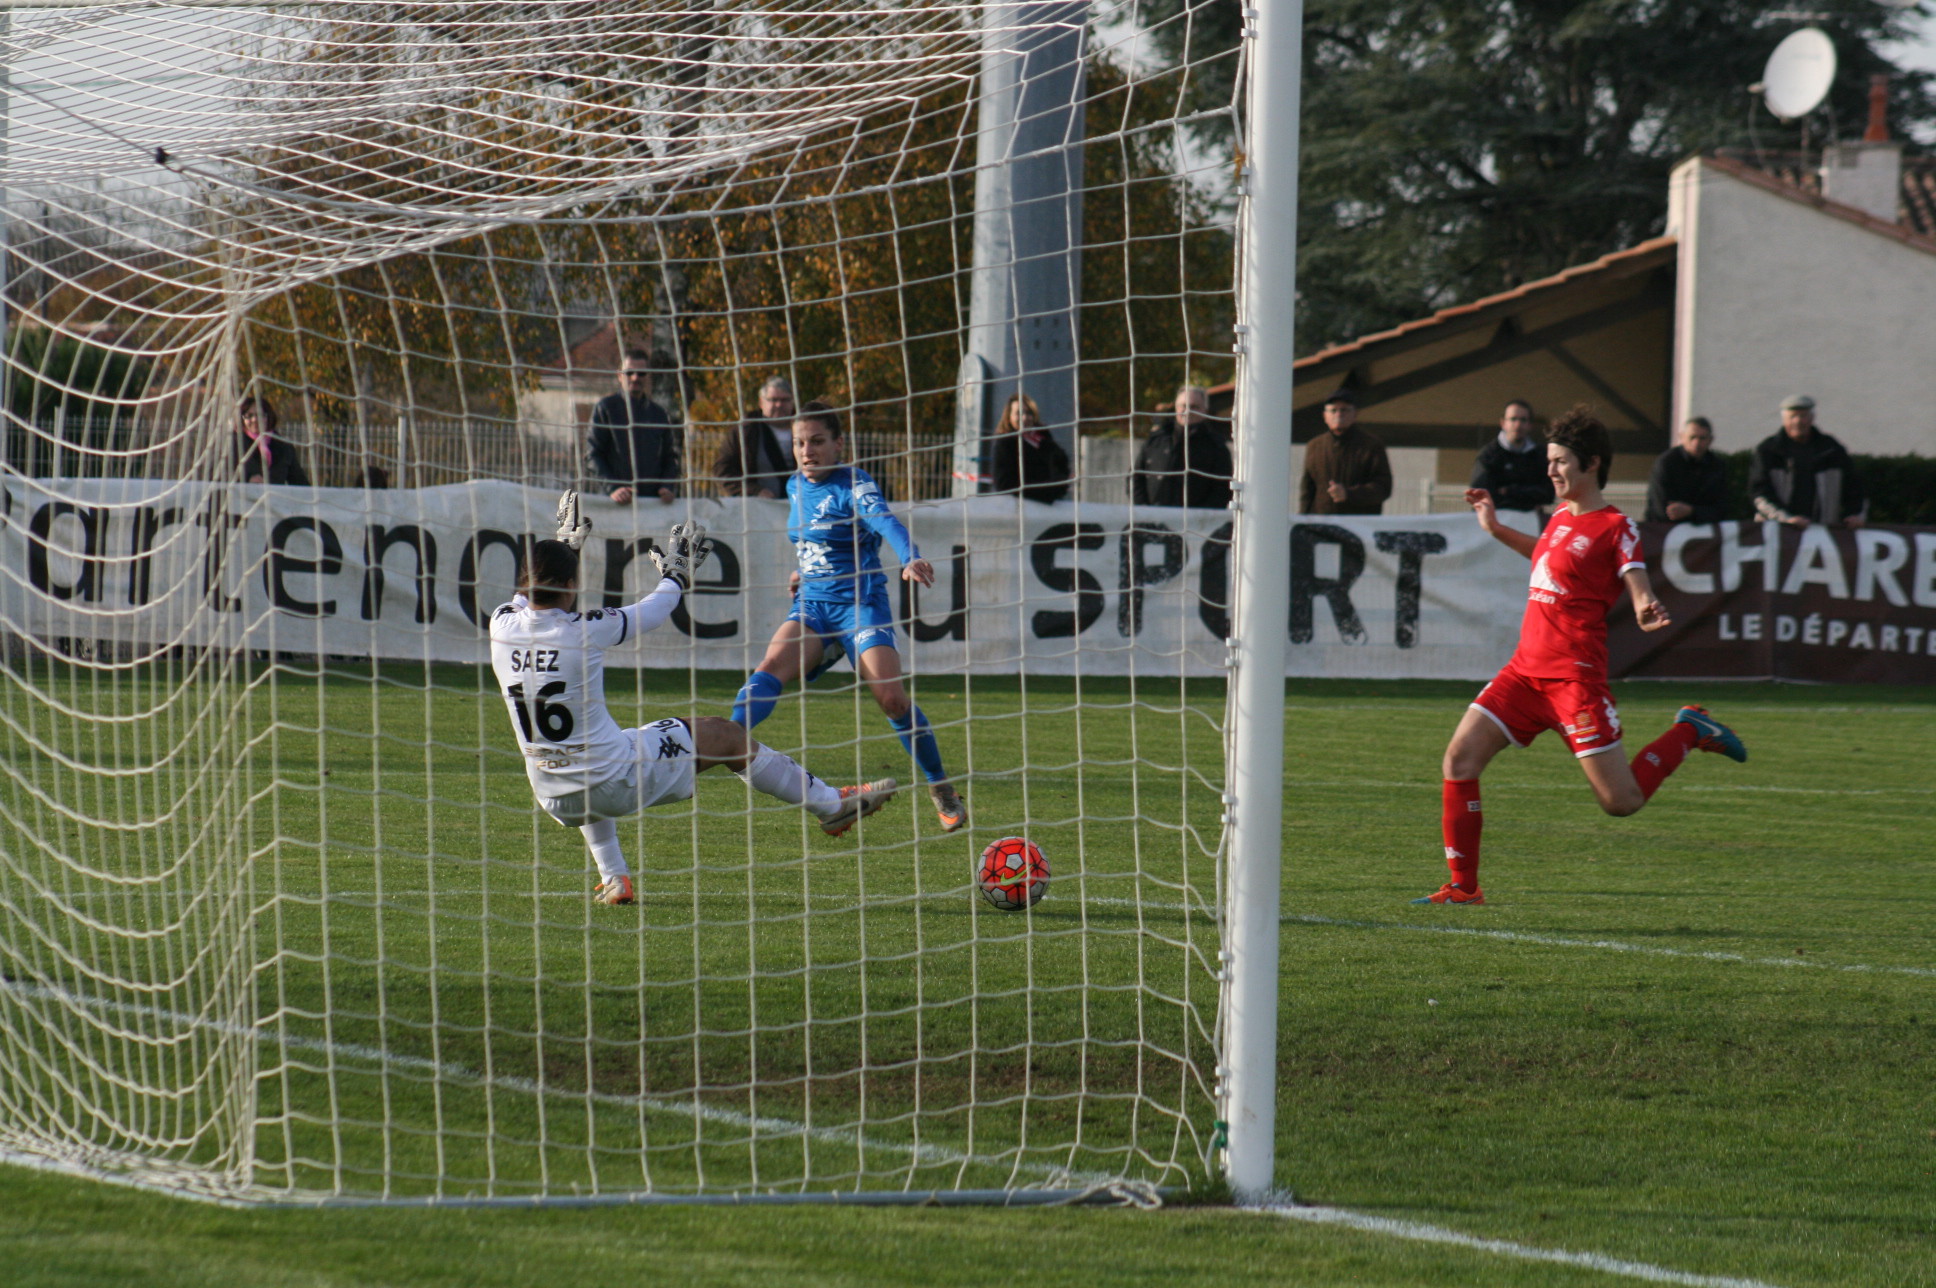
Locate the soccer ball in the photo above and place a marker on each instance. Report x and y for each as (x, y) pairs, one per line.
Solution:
(1014, 875)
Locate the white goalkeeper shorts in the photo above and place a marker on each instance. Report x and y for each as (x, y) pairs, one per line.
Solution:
(663, 769)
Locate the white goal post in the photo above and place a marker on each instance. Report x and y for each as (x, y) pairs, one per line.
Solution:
(308, 311)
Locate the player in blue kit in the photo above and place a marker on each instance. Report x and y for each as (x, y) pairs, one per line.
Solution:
(836, 520)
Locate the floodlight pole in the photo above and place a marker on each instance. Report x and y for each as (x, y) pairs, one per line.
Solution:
(1026, 278)
(1260, 591)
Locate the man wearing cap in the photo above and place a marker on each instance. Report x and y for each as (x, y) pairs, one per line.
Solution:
(1802, 476)
(1345, 469)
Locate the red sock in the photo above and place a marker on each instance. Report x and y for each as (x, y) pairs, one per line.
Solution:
(1662, 757)
(1462, 821)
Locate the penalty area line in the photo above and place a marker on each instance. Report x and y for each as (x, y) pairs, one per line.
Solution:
(888, 902)
(1418, 1232)
(1608, 945)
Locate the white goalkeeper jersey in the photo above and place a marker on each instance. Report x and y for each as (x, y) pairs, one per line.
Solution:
(550, 665)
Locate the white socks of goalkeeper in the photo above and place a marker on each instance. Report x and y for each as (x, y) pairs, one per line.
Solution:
(782, 776)
(602, 837)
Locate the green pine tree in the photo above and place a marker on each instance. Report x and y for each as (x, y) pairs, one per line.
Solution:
(1455, 148)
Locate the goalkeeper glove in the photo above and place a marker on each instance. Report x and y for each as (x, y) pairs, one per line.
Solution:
(685, 552)
(572, 530)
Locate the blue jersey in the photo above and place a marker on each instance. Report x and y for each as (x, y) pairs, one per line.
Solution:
(836, 526)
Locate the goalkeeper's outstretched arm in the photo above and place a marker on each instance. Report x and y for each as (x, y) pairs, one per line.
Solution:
(685, 553)
(686, 550)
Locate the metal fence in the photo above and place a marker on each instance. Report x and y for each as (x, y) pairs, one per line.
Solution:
(425, 450)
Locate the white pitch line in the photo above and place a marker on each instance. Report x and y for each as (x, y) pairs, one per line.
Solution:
(1443, 704)
(1292, 918)
(1424, 784)
(1612, 945)
(932, 1155)
(1421, 1233)
(1109, 901)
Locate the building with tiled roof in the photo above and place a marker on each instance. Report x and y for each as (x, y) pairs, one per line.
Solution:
(1774, 277)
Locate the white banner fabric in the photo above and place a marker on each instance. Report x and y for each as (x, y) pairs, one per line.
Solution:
(1021, 587)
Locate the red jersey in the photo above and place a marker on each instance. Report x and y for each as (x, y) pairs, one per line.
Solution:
(1577, 567)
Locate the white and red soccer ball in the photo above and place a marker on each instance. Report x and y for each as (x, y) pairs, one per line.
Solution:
(1014, 875)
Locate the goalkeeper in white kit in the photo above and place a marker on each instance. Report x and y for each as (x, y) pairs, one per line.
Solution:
(586, 771)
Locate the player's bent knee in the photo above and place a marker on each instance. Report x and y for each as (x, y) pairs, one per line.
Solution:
(1623, 805)
(573, 810)
(718, 741)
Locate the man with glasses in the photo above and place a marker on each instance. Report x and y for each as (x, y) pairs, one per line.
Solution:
(1512, 468)
(633, 449)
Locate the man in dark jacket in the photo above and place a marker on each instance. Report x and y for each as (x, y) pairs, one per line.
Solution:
(1186, 460)
(1802, 476)
(633, 447)
(1513, 467)
(1346, 470)
(757, 458)
(1689, 483)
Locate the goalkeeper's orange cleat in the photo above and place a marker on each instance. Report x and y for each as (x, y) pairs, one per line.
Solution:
(948, 807)
(1452, 892)
(616, 890)
(856, 803)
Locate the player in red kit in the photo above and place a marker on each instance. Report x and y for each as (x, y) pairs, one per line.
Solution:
(1557, 678)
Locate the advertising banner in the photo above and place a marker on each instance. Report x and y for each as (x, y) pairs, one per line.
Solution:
(1770, 601)
(1021, 587)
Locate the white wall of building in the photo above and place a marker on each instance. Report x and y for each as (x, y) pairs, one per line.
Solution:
(1778, 297)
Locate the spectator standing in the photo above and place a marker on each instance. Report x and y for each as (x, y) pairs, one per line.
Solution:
(1028, 460)
(633, 447)
(1186, 460)
(1346, 470)
(757, 459)
(1512, 468)
(260, 456)
(1801, 475)
(1689, 483)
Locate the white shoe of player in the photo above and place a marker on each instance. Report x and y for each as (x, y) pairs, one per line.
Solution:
(616, 890)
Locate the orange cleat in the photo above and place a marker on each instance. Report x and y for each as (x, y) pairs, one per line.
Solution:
(948, 806)
(615, 891)
(1452, 892)
(856, 803)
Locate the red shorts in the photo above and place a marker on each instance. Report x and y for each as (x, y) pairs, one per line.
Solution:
(1581, 709)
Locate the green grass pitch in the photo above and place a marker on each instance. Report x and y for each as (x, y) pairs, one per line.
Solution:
(1698, 1039)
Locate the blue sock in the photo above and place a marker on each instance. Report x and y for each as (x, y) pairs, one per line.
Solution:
(755, 700)
(917, 735)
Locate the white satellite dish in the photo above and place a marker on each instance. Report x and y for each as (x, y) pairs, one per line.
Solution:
(1799, 73)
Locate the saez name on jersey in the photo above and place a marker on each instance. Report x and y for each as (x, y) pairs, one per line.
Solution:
(534, 659)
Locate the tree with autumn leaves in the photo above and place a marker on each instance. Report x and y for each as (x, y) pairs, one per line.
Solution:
(841, 260)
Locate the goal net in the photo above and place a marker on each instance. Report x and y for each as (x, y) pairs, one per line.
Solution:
(280, 919)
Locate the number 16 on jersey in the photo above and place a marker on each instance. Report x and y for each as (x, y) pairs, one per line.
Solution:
(551, 721)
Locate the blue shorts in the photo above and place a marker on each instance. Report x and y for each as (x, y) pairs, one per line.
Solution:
(858, 627)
